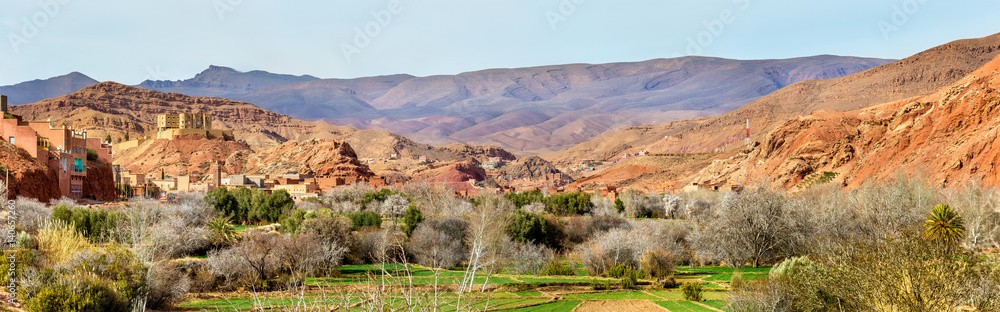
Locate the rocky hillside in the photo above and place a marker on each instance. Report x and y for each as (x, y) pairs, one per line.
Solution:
(28, 176)
(917, 75)
(185, 156)
(950, 136)
(317, 157)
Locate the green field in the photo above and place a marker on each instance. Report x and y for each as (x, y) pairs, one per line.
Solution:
(714, 280)
(683, 306)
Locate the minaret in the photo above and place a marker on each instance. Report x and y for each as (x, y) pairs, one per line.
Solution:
(748, 128)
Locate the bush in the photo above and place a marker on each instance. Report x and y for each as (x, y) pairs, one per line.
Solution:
(167, 285)
(557, 269)
(91, 154)
(85, 294)
(365, 219)
(658, 262)
(411, 218)
(619, 270)
(599, 285)
(569, 203)
(581, 229)
(668, 282)
(692, 291)
(630, 279)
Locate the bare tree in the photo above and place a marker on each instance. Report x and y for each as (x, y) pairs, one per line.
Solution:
(528, 257)
(672, 206)
(753, 227)
(486, 234)
(393, 207)
(137, 230)
(978, 207)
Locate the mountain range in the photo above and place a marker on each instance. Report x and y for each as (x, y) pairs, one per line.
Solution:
(718, 138)
(525, 110)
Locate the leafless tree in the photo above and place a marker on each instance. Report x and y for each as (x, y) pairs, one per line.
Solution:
(487, 227)
(534, 207)
(438, 243)
(527, 257)
(754, 227)
(31, 214)
(137, 230)
(393, 207)
(979, 207)
(672, 206)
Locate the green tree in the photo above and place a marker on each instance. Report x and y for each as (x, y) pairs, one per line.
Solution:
(107, 138)
(619, 205)
(943, 224)
(411, 218)
(278, 204)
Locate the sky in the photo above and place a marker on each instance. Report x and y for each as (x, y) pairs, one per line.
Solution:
(130, 41)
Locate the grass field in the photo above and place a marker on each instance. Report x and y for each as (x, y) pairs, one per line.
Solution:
(714, 280)
(683, 306)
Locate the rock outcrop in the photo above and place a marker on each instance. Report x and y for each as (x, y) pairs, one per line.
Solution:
(949, 136)
(28, 176)
(329, 158)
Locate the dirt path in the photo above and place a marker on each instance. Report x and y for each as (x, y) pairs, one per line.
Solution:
(618, 306)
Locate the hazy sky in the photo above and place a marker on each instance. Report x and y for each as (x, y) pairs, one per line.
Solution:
(129, 41)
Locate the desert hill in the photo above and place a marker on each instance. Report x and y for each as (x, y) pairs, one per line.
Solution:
(917, 75)
(950, 135)
(218, 81)
(324, 158)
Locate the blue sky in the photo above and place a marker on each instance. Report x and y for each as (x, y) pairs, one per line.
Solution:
(129, 41)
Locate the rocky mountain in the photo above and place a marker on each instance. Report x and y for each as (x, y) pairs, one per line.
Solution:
(316, 157)
(532, 109)
(218, 81)
(917, 75)
(548, 108)
(185, 156)
(950, 136)
(37, 90)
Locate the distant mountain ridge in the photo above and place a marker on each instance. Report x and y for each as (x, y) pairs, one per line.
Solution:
(218, 81)
(40, 89)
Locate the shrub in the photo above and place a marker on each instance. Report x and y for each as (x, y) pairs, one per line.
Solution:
(668, 282)
(569, 203)
(329, 227)
(658, 262)
(91, 154)
(630, 279)
(167, 285)
(619, 270)
(411, 218)
(77, 294)
(619, 205)
(599, 285)
(692, 291)
(58, 242)
(365, 219)
(557, 269)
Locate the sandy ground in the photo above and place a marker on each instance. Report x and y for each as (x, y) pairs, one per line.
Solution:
(618, 306)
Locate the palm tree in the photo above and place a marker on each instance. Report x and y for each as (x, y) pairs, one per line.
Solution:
(222, 232)
(944, 224)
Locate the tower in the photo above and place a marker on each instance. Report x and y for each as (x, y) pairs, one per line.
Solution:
(748, 128)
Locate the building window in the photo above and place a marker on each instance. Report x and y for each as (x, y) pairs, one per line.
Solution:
(11, 140)
(78, 165)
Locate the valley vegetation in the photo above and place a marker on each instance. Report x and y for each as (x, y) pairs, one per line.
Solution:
(898, 245)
